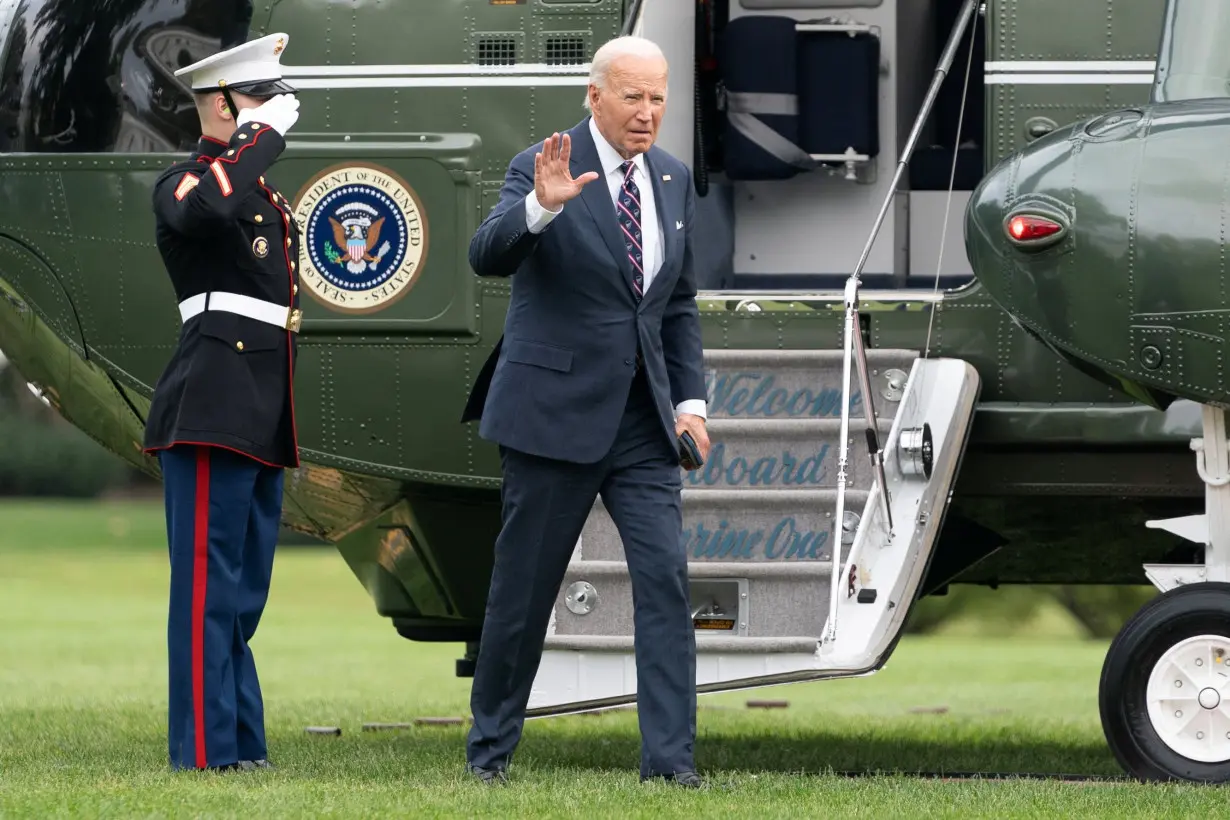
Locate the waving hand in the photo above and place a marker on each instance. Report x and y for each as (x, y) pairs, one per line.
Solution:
(553, 181)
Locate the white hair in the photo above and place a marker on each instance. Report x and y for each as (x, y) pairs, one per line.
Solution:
(619, 47)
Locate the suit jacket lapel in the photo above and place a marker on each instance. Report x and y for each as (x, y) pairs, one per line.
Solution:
(597, 198)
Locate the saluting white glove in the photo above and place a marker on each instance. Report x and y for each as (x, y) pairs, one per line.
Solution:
(279, 113)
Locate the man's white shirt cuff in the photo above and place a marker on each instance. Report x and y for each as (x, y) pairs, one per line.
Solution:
(537, 217)
(697, 407)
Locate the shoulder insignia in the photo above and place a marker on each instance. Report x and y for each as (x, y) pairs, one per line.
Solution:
(186, 183)
(365, 240)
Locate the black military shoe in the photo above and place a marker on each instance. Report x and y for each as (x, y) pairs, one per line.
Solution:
(491, 777)
(688, 780)
(248, 765)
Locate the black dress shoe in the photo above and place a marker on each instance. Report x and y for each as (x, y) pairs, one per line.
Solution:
(492, 777)
(688, 780)
(255, 764)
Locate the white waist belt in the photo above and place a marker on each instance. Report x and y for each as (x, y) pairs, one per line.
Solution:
(276, 315)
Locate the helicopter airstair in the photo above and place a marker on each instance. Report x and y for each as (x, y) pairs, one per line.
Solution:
(763, 519)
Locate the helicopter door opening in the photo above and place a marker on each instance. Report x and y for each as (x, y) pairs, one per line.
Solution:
(803, 108)
(798, 97)
(957, 127)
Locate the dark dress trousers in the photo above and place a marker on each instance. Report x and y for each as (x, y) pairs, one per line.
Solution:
(581, 393)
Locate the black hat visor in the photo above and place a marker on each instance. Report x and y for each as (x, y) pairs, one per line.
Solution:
(263, 88)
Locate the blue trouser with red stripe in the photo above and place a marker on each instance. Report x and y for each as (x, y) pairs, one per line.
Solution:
(223, 511)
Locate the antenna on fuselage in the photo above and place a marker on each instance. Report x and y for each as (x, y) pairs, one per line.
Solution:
(1193, 62)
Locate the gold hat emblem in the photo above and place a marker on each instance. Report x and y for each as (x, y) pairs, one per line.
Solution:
(281, 44)
(260, 247)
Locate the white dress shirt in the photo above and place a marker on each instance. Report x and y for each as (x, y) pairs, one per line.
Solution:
(537, 218)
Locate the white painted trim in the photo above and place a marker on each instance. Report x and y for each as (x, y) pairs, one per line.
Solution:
(426, 70)
(438, 82)
(1062, 66)
(1074, 78)
(822, 296)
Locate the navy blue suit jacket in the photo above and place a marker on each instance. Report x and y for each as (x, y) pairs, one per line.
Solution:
(557, 381)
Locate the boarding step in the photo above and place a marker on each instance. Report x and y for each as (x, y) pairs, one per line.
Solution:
(794, 644)
(879, 580)
(744, 526)
(769, 604)
(784, 454)
(741, 600)
(795, 384)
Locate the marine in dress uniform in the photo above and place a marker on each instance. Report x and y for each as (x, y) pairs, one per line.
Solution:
(222, 421)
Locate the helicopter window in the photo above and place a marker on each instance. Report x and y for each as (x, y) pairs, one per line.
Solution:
(80, 76)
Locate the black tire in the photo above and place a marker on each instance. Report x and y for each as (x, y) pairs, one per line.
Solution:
(1184, 612)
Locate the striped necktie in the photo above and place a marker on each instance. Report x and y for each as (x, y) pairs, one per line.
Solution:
(628, 210)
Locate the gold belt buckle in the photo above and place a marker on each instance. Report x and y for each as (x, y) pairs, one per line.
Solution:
(294, 319)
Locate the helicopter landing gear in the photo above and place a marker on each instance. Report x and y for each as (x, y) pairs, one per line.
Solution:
(1164, 695)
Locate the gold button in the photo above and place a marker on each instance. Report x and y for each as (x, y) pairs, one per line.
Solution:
(288, 241)
(239, 345)
(292, 265)
(262, 180)
(260, 218)
(255, 126)
(243, 136)
(294, 289)
(228, 153)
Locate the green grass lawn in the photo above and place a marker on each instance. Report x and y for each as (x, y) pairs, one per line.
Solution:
(83, 709)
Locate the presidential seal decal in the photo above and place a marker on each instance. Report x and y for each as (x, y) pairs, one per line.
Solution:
(364, 237)
(260, 247)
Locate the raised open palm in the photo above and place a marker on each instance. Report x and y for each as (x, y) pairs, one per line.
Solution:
(553, 181)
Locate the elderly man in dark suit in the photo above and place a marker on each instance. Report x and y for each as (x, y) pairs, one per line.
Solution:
(598, 372)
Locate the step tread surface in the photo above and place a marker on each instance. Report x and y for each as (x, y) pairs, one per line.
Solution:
(704, 643)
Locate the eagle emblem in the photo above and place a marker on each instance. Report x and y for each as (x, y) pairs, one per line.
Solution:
(364, 238)
(356, 228)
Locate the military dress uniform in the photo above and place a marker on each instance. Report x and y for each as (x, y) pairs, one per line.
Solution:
(222, 421)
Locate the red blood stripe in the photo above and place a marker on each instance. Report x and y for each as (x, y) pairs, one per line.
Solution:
(200, 570)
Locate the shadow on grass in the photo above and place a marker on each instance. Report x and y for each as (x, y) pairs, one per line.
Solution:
(78, 745)
(610, 744)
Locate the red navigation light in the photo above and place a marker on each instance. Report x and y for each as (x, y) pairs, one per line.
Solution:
(1026, 228)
